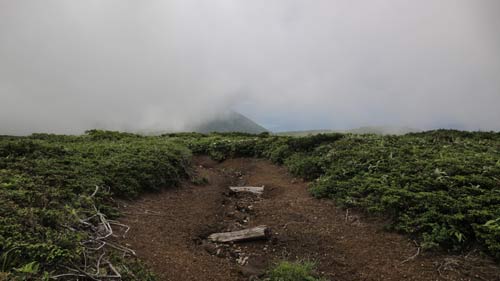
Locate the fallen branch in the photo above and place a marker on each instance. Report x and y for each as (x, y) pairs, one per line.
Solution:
(95, 252)
(250, 189)
(117, 274)
(414, 256)
(67, 275)
(95, 191)
(122, 248)
(127, 228)
(259, 232)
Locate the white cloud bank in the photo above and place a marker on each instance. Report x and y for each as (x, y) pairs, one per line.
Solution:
(66, 66)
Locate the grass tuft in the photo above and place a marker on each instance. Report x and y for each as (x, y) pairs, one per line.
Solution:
(293, 271)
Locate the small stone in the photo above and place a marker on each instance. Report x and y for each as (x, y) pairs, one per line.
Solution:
(242, 260)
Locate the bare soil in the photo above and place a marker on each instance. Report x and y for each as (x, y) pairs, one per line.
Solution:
(169, 230)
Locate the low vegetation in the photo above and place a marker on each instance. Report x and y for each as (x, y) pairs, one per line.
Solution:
(441, 187)
(293, 271)
(57, 192)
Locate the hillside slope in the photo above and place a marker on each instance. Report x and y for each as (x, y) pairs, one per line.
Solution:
(377, 130)
(230, 122)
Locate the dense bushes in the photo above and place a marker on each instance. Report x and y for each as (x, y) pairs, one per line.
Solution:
(277, 149)
(45, 187)
(442, 187)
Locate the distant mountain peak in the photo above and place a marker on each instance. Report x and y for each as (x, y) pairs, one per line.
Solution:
(230, 121)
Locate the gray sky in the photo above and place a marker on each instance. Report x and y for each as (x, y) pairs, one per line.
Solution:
(68, 65)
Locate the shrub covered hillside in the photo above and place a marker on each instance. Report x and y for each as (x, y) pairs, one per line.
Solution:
(56, 200)
(442, 187)
(56, 192)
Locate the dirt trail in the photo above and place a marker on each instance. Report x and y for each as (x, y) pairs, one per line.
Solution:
(168, 231)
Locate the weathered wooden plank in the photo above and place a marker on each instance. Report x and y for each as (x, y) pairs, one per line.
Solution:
(251, 189)
(258, 232)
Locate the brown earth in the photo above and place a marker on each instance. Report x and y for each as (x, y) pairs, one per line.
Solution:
(168, 231)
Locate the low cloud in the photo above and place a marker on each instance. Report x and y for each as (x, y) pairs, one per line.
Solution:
(67, 66)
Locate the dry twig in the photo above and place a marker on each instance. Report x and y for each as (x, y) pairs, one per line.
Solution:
(415, 255)
(100, 230)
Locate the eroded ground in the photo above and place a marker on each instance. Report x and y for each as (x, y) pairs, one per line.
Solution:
(168, 231)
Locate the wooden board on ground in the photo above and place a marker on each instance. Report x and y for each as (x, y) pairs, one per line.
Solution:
(251, 189)
(259, 232)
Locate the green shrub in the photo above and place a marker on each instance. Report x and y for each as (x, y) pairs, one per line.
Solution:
(304, 166)
(45, 183)
(441, 186)
(293, 271)
(489, 233)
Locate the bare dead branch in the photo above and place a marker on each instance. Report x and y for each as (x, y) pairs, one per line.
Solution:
(95, 248)
(415, 255)
(95, 191)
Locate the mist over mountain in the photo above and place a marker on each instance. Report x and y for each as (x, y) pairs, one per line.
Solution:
(229, 121)
(68, 66)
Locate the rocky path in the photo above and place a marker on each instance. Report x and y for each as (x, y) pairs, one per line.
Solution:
(169, 231)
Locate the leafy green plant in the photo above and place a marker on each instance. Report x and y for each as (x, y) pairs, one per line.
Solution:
(293, 271)
(305, 166)
(440, 186)
(29, 269)
(46, 182)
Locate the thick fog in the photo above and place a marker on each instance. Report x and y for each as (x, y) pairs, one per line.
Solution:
(67, 66)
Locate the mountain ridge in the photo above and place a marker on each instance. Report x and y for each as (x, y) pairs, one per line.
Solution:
(231, 121)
